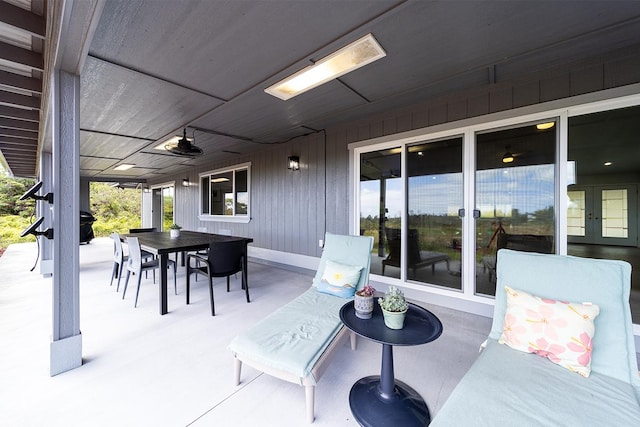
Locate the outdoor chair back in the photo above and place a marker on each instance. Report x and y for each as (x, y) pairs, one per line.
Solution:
(222, 260)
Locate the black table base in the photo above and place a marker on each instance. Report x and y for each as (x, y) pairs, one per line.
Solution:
(403, 407)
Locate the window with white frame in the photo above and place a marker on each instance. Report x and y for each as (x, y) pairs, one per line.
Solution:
(225, 193)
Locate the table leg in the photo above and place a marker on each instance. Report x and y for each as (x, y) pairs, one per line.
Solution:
(163, 284)
(382, 400)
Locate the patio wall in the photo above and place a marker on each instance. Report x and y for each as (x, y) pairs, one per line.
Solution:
(290, 211)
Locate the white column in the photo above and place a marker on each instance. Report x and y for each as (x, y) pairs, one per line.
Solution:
(66, 342)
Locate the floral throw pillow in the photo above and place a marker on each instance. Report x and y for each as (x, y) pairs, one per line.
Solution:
(560, 331)
(339, 279)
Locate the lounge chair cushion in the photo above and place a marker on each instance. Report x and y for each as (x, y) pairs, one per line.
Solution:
(339, 279)
(604, 282)
(506, 387)
(558, 330)
(293, 337)
(346, 250)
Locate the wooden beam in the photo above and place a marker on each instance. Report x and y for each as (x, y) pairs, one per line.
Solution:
(18, 159)
(16, 81)
(18, 153)
(12, 98)
(21, 56)
(19, 133)
(19, 113)
(22, 19)
(18, 124)
(19, 141)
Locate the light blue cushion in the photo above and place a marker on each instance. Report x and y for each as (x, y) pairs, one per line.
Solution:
(293, 337)
(349, 250)
(603, 282)
(506, 387)
(339, 279)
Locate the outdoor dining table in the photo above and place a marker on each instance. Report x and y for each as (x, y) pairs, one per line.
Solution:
(162, 244)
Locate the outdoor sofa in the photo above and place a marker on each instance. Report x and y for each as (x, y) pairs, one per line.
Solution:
(513, 387)
(296, 342)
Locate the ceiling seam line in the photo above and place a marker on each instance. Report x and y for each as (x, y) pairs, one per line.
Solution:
(117, 134)
(117, 64)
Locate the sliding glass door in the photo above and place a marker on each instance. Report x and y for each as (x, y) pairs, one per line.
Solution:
(434, 206)
(381, 203)
(515, 195)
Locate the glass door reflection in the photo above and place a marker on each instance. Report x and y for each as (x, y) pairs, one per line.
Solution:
(381, 204)
(515, 196)
(434, 199)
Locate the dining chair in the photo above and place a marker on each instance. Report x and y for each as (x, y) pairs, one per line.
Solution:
(136, 266)
(118, 259)
(145, 254)
(223, 260)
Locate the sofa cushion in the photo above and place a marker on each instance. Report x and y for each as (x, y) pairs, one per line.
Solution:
(560, 331)
(604, 282)
(505, 387)
(339, 279)
(346, 250)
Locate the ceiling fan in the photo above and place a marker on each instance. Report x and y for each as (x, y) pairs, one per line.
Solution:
(184, 146)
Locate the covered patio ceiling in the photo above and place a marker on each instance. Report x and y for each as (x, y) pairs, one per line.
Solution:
(153, 68)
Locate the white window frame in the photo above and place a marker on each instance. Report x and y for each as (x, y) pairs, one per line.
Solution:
(244, 218)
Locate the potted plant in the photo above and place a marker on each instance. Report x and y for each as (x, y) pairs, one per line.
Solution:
(174, 230)
(363, 302)
(394, 308)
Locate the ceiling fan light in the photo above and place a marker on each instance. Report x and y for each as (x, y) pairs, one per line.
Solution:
(545, 126)
(183, 146)
(508, 157)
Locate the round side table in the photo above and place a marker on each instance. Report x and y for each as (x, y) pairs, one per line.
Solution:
(382, 400)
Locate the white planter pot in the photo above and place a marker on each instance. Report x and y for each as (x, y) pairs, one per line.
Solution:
(174, 233)
(363, 306)
(394, 319)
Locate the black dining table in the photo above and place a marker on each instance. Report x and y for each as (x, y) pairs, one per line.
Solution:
(160, 243)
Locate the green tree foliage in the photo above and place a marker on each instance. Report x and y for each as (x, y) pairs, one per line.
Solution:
(116, 209)
(10, 191)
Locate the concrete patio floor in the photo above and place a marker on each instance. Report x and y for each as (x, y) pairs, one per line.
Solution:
(144, 369)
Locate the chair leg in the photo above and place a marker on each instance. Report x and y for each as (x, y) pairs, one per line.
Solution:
(113, 273)
(213, 310)
(126, 282)
(175, 283)
(309, 392)
(135, 304)
(188, 283)
(237, 369)
(245, 283)
(119, 276)
(227, 283)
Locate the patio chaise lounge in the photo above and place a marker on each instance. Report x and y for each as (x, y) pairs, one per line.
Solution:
(508, 385)
(415, 257)
(295, 343)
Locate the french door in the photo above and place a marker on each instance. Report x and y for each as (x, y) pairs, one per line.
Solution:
(603, 215)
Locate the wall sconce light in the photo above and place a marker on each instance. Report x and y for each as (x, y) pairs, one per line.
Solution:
(293, 163)
(185, 182)
(508, 156)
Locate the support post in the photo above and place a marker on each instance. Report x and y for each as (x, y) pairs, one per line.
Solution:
(66, 342)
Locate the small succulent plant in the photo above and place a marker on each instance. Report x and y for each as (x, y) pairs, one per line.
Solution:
(393, 300)
(367, 291)
(175, 227)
